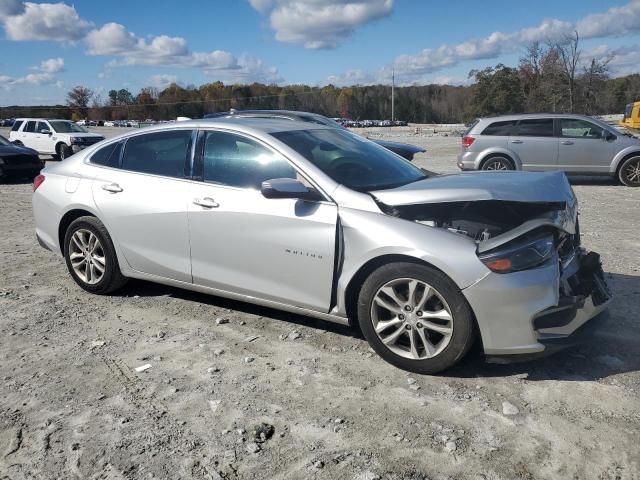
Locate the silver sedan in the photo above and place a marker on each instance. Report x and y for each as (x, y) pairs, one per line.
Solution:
(321, 222)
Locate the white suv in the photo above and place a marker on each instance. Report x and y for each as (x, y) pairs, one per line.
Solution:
(60, 138)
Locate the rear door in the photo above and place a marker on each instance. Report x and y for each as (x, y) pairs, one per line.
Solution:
(534, 142)
(583, 148)
(28, 134)
(144, 200)
(276, 249)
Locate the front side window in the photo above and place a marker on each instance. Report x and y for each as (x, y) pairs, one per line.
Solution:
(351, 160)
(42, 126)
(63, 126)
(535, 127)
(16, 125)
(108, 156)
(570, 127)
(30, 127)
(499, 128)
(159, 153)
(237, 161)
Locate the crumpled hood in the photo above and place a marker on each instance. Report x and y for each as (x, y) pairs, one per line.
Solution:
(473, 186)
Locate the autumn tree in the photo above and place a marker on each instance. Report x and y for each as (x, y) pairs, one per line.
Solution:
(78, 100)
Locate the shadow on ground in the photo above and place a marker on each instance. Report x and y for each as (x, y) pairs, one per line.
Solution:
(610, 350)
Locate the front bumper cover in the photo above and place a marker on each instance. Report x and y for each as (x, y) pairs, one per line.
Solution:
(537, 312)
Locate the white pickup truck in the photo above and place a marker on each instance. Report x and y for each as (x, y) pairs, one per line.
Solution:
(60, 138)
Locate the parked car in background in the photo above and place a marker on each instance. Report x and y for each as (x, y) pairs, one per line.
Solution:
(109, 123)
(575, 144)
(316, 220)
(403, 149)
(17, 161)
(60, 138)
(7, 122)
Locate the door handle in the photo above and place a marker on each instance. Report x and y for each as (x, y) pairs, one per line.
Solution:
(516, 141)
(206, 202)
(567, 142)
(112, 188)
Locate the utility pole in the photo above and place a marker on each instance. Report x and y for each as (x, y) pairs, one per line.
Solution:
(393, 88)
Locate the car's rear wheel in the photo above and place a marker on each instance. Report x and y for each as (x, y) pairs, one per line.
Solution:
(91, 257)
(498, 163)
(415, 317)
(63, 151)
(629, 172)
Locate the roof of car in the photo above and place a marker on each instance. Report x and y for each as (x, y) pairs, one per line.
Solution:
(266, 125)
(24, 119)
(519, 116)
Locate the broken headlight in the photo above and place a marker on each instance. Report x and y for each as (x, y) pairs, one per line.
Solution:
(520, 255)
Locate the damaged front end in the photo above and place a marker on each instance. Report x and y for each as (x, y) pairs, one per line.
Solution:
(541, 284)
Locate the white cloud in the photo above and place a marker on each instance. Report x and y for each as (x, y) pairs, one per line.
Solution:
(410, 68)
(161, 81)
(44, 74)
(115, 40)
(352, 77)
(43, 21)
(53, 65)
(320, 23)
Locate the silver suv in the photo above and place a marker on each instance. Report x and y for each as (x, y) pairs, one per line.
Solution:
(573, 143)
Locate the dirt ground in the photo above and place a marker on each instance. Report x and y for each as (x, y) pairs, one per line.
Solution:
(73, 407)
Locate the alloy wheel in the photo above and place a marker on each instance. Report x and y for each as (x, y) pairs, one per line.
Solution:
(632, 172)
(496, 165)
(412, 319)
(87, 256)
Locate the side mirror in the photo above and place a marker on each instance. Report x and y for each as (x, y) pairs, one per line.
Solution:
(45, 131)
(608, 136)
(288, 188)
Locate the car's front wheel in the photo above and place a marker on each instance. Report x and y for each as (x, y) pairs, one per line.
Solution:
(91, 257)
(63, 151)
(415, 317)
(629, 173)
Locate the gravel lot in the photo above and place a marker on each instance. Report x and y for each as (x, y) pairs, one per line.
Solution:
(74, 407)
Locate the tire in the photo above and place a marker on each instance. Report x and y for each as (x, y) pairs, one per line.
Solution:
(63, 151)
(111, 278)
(498, 163)
(445, 350)
(629, 172)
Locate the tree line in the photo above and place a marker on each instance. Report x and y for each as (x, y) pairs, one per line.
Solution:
(551, 77)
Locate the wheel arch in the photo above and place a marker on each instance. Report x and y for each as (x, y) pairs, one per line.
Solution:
(352, 291)
(620, 161)
(67, 219)
(499, 152)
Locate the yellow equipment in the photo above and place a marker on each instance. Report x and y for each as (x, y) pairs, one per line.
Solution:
(631, 117)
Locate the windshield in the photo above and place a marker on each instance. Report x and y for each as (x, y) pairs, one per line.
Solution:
(350, 159)
(4, 141)
(66, 127)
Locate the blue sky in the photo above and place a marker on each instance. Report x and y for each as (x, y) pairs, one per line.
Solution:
(48, 47)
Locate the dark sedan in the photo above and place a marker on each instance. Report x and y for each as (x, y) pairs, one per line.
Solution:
(17, 161)
(405, 150)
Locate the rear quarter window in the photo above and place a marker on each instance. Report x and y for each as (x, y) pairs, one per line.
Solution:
(17, 125)
(108, 156)
(503, 128)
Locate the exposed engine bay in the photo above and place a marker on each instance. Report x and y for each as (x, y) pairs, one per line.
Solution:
(479, 220)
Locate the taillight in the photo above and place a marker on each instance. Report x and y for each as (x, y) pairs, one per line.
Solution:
(37, 182)
(467, 141)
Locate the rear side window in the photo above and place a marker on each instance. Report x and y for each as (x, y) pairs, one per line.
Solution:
(499, 128)
(30, 126)
(16, 125)
(160, 153)
(237, 161)
(108, 156)
(535, 127)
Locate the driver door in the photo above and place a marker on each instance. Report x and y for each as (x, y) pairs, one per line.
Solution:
(275, 249)
(583, 147)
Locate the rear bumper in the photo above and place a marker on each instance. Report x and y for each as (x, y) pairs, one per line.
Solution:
(467, 161)
(536, 312)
